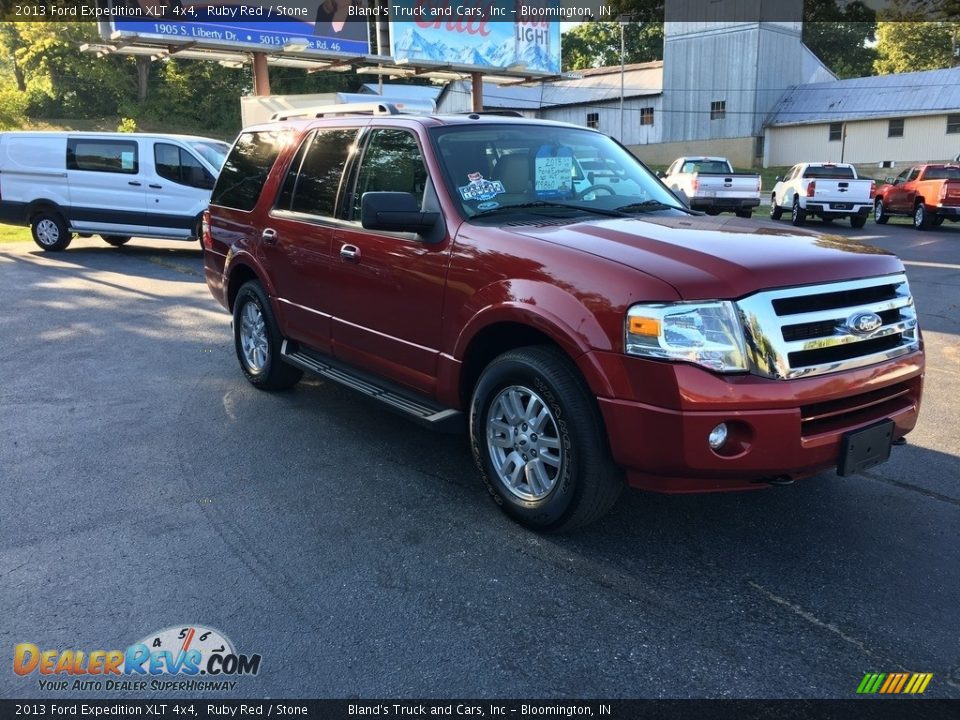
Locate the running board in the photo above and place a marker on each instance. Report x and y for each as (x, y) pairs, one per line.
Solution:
(416, 407)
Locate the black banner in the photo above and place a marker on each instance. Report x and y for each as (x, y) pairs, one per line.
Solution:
(870, 709)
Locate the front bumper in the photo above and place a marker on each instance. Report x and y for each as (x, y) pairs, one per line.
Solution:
(779, 429)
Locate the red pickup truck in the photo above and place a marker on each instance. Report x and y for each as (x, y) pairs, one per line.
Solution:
(929, 194)
(451, 268)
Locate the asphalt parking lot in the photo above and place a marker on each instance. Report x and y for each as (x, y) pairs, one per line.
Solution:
(147, 485)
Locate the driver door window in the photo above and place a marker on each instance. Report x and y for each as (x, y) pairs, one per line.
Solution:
(392, 162)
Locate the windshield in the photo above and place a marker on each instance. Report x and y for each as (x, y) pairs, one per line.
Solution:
(489, 168)
(213, 151)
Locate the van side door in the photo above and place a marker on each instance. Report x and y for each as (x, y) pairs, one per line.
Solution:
(107, 192)
(178, 192)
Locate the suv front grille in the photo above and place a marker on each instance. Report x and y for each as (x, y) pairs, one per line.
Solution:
(812, 330)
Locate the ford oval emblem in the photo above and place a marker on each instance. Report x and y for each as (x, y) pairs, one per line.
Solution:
(864, 323)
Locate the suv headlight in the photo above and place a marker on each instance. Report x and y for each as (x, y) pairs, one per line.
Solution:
(704, 333)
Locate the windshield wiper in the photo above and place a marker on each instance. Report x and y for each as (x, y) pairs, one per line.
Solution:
(550, 204)
(651, 205)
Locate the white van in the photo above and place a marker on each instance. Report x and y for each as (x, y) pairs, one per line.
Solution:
(116, 185)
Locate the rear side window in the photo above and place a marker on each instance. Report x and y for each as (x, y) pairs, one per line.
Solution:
(113, 156)
(246, 169)
(319, 181)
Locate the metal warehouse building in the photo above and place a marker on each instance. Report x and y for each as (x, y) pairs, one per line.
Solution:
(592, 100)
(884, 120)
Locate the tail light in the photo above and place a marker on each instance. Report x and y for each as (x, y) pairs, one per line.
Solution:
(811, 188)
(758, 183)
(695, 185)
(205, 229)
(943, 191)
(873, 190)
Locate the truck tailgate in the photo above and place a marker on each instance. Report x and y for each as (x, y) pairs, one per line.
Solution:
(841, 191)
(732, 185)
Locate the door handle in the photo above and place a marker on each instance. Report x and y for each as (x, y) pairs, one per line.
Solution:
(157, 187)
(350, 253)
(135, 183)
(269, 235)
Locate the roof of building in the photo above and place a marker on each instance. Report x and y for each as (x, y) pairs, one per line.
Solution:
(596, 85)
(930, 92)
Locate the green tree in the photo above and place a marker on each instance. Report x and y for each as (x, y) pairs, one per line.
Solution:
(839, 36)
(597, 44)
(910, 46)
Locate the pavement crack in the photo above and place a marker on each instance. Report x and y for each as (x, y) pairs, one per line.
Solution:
(814, 620)
(913, 488)
(831, 628)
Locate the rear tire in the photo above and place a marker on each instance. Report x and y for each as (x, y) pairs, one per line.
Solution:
(116, 240)
(538, 440)
(938, 221)
(798, 216)
(858, 221)
(257, 341)
(744, 213)
(50, 231)
(880, 216)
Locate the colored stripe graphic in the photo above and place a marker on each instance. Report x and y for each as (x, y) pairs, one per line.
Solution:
(894, 683)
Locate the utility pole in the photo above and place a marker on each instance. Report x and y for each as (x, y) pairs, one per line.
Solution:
(624, 19)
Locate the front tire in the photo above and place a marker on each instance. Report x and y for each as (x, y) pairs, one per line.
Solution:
(858, 221)
(116, 240)
(776, 212)
(880, 216)
(538, 440)
(50, 231)
(921, 218)
(798, 216)
(257, 341)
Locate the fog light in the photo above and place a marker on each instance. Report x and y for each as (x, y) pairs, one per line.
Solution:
(718, 436)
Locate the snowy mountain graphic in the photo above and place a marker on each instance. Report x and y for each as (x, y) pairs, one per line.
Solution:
(464, 49)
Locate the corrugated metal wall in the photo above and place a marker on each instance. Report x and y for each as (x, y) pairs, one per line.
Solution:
(719, 63)
(609, 116)
(924, 138)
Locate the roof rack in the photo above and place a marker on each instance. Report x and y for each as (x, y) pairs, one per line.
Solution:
(373, 108)
(501, 113)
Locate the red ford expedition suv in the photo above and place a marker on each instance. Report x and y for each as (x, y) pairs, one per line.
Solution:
(588, 335)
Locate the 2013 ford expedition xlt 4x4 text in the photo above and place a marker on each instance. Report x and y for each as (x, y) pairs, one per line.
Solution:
(589, 337)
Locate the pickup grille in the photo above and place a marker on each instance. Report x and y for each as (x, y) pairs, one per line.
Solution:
(812, 330)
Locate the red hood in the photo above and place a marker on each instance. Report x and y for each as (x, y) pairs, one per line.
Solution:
(711, 257)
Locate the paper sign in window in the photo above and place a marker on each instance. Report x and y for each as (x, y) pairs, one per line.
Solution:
(126, 159)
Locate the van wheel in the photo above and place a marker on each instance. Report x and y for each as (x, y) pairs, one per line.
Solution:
(116, 240)
(798, 216)
(858, 221)
(538, 440)
(743, 213)
(50, 231)
(257, 341)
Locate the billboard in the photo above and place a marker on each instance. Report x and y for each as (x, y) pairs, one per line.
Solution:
(248, 26)
(483, 34)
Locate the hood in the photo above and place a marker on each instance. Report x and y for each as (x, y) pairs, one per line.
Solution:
(721, 258)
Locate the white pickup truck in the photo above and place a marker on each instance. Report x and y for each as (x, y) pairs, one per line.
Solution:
(827, 190)
(710, 184)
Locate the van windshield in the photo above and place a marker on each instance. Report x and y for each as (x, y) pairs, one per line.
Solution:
(499, 166)
(213, 151)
